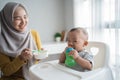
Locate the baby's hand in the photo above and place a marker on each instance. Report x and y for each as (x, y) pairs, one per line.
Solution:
(74, 53)
(65, 50)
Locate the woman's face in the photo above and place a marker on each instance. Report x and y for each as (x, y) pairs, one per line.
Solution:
(20, 19)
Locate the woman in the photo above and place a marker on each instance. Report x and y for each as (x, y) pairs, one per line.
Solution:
(16, 42)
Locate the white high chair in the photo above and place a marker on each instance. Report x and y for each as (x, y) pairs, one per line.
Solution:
(52, 70)
(100, 51)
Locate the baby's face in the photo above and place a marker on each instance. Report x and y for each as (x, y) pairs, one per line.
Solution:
(76, 40)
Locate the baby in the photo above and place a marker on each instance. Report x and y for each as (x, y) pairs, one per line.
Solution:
(77, 39)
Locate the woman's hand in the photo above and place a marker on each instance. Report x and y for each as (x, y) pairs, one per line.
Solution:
(26, 54)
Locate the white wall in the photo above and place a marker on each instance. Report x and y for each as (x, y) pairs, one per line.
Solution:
(47, 16)
(69, 14)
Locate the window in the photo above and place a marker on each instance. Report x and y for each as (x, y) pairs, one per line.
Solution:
(108, 13)
(88, 12)
(98, 16)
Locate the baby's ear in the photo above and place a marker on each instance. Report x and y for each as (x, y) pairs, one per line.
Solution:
(85, 43)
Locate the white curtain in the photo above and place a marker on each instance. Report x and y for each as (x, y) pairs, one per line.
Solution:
(102, 19)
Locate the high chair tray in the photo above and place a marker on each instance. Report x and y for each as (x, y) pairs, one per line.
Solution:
(49, 71)
(52, 70)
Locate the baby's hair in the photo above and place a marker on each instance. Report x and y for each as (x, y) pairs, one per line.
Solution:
(81, 29)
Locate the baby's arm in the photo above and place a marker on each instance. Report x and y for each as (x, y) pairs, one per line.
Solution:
(84, 63)
(81, 61)
(62, 57)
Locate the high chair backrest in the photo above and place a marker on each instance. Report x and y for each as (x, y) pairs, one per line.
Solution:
(100, 51)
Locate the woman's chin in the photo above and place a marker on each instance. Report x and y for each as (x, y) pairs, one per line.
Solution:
(21, 30)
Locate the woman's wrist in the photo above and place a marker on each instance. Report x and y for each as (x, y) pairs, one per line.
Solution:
(21, 58)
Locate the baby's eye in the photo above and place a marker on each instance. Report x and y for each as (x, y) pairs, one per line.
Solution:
(75, 41)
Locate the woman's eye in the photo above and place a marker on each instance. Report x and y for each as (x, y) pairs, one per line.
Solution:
(25, 17)
(17, 18)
